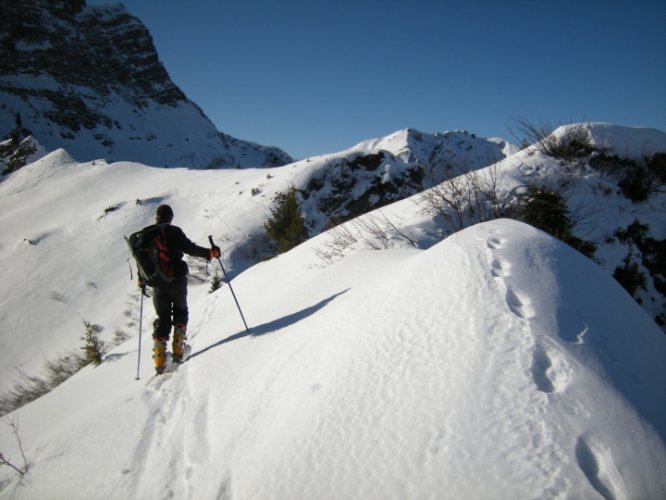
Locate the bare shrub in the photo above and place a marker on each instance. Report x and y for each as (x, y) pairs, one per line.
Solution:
(340, 238)
(377, 232)
(27, 388)
(30, 387)
(639, 180)
(376, 237)
(571, 145)
(13, 423)
(391, 226)
(449, 200)
(467, 199)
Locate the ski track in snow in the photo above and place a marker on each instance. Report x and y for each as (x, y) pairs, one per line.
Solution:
(175, 440)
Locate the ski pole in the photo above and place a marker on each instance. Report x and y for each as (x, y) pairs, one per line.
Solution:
(210, 238)
(138, 362)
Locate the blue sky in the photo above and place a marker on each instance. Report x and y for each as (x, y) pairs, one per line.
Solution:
(315, 77)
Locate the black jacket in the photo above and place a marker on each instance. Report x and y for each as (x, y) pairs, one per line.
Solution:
(179, 244)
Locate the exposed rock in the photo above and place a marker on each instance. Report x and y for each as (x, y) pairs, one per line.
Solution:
(14, 156)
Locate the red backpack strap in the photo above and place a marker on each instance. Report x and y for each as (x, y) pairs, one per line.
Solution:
(165, 263)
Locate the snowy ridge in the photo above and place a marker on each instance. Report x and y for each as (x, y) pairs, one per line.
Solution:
(497, 362)
(455, 151)
(58, 213)
(627, 142)
(450, 372)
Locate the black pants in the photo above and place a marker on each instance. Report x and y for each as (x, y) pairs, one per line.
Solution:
(170, 303)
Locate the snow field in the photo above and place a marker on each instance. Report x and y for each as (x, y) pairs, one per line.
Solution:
(393, 374)
(497, 363)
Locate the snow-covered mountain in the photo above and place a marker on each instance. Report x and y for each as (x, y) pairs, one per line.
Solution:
(63, 226)
(88, 78)
(58, 203)
(386, 360)
(412, 348)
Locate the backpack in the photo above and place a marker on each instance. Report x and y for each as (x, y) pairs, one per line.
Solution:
(150, 251)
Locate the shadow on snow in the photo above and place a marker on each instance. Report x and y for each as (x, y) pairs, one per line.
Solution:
(274, 325)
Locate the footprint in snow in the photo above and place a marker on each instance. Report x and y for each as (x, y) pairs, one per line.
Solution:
(520, 305)
(499, 268)
(495, 243)
(550, 369)
(596, 462)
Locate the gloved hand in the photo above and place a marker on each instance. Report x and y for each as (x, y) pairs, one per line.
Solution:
(214, 253)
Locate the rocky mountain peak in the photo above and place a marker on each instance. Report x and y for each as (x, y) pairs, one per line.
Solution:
(89, 79)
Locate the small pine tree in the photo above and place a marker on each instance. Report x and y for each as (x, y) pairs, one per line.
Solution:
(215, 283)
(286, 225)
(547, 210)
(630, 277)
(93, 347)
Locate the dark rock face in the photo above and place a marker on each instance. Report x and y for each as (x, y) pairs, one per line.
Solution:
(14, 156)
(349, 187)
(89, 79)
(103, 50)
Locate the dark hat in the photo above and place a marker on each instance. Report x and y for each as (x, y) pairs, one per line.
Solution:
(164, 213)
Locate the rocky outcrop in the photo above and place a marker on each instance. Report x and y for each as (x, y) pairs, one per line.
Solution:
(14, 156)
(376, 172)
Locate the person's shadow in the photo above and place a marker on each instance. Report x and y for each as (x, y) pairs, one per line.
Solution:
(274, 325)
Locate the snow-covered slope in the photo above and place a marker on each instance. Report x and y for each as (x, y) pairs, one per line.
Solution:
(63, 224)
(626, 142)
(627, 232)
(498, 363)
(64, 221)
